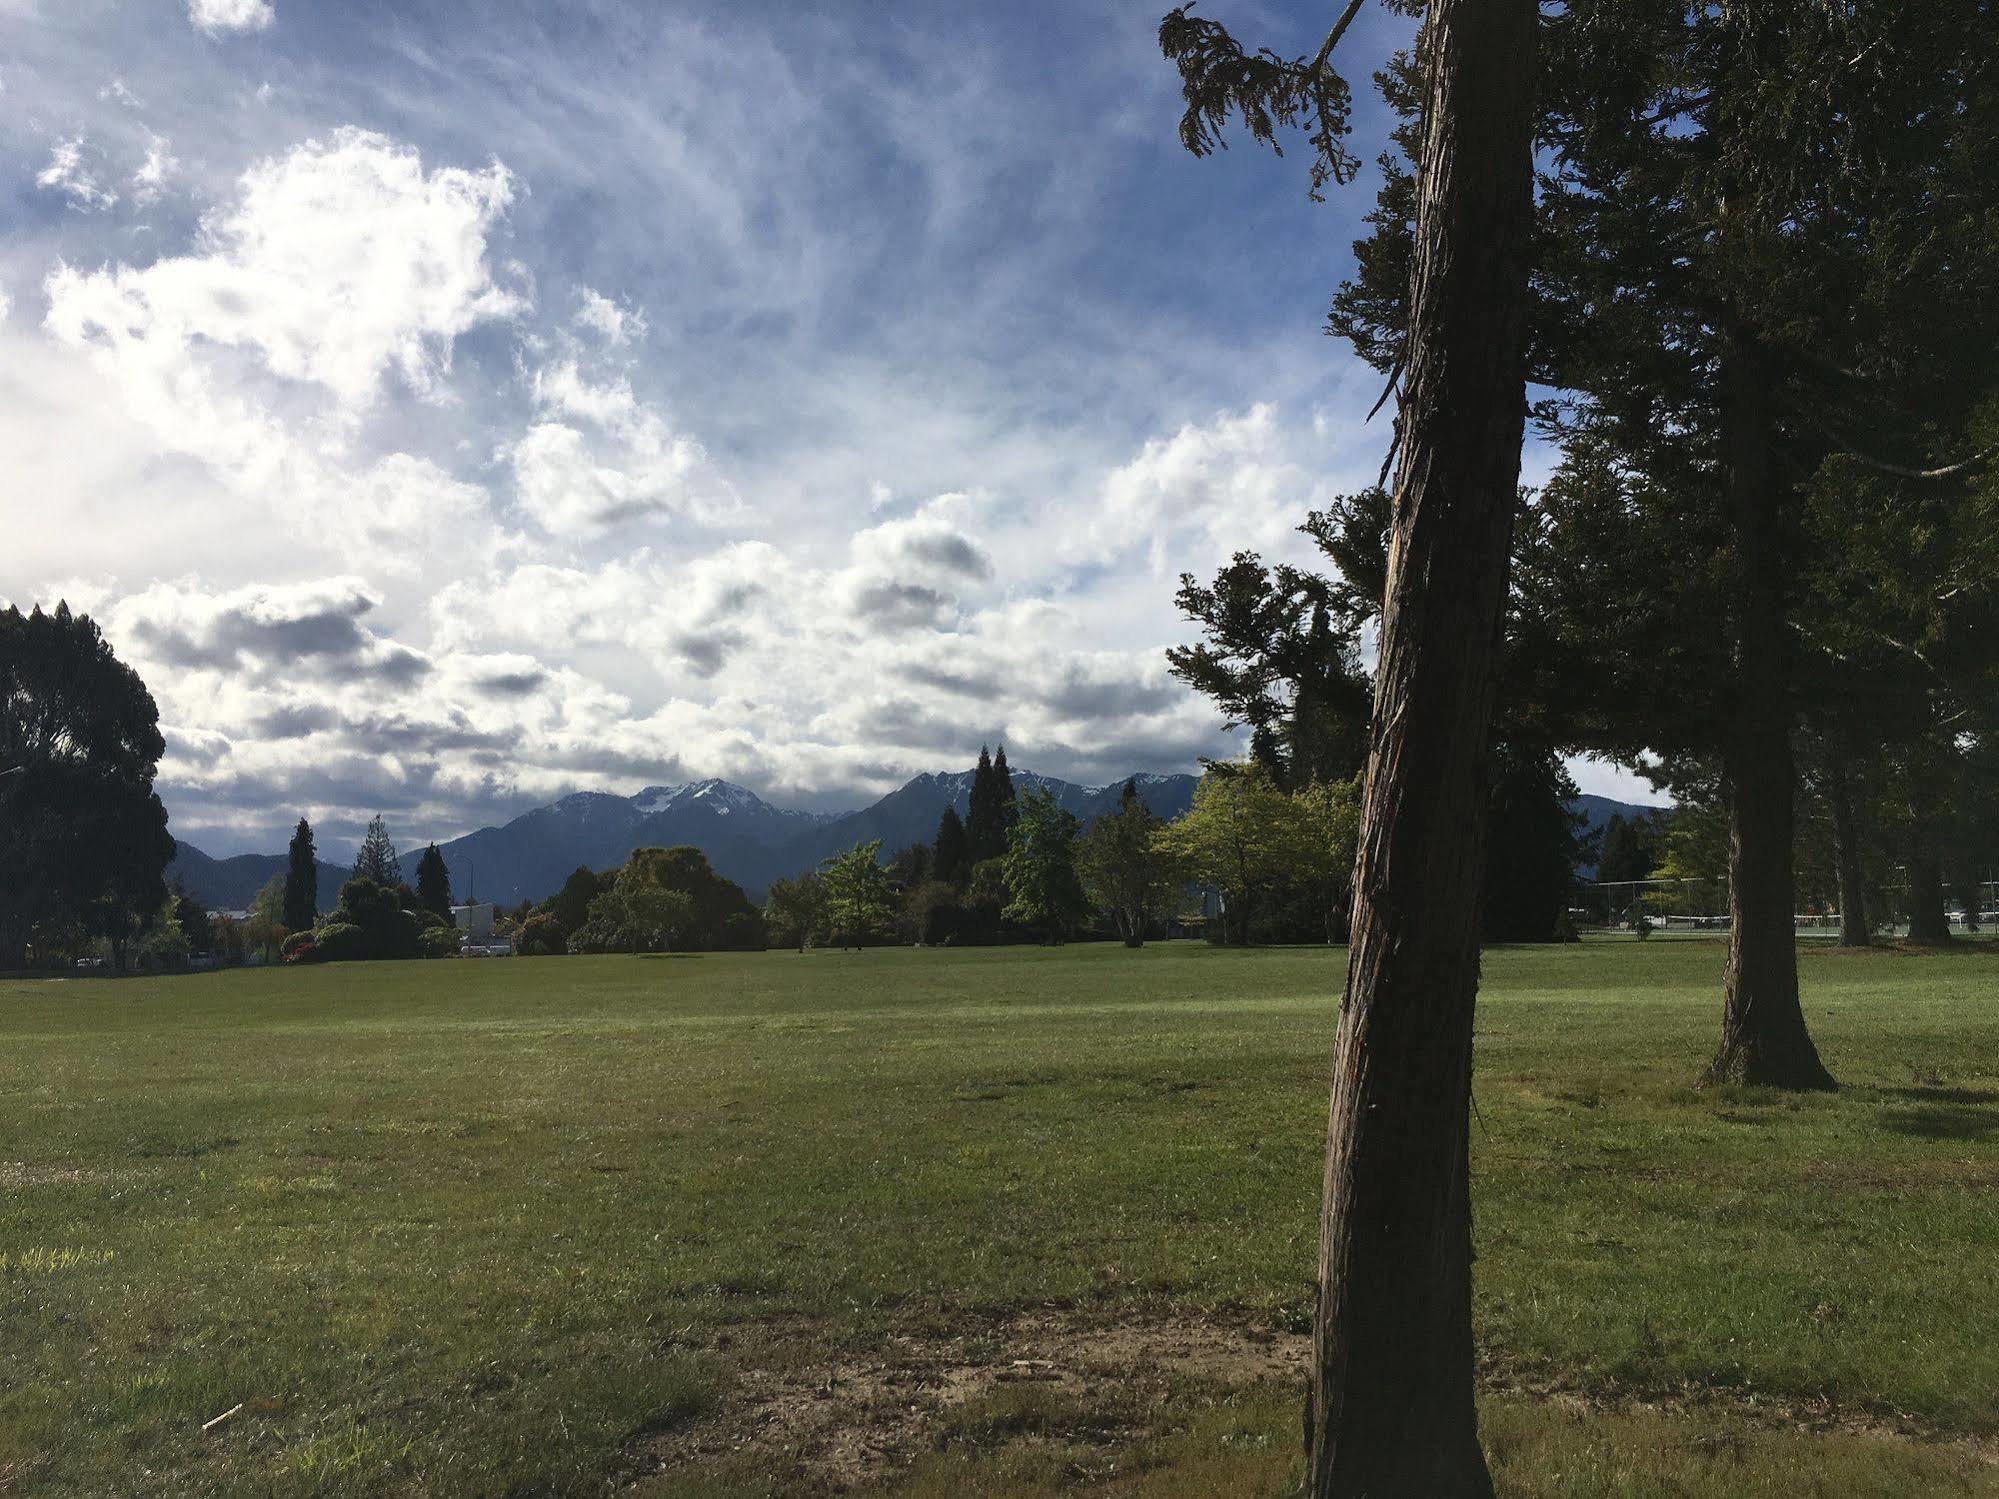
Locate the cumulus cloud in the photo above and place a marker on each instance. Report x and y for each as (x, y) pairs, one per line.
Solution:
(217, 17)
(1233, 479)
(337, 266)
(71, 175)
(314, 629)
(337, 263)
(599, 457)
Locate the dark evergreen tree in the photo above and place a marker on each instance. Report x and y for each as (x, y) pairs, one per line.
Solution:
(433, 882)
(952, 851)
(1009, 804)
(376, 858)
(193, 918)
(1275, 659)
(301, 880)
(1533, 843)
(911, 866)
(985, 824)
(1629, 850)
(571, 904)
(83, 837)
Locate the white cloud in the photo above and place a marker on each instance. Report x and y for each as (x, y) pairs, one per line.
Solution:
(337, 263)
(150, 181)
(600, 457)
(1232, 480)
(218, 16)
(616, 324)
(67, 173)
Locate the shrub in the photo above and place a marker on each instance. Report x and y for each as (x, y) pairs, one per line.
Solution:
(341, 942)
(388, 931)
(298, 948)
(542, 935)
(440, 942)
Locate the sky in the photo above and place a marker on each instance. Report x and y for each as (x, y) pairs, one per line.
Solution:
(449, 406)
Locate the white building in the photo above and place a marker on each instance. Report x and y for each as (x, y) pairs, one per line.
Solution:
(474, 922)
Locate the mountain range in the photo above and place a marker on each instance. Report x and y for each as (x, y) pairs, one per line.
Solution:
(744, 836)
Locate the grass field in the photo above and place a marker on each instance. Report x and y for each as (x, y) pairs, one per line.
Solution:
(1004, 1221)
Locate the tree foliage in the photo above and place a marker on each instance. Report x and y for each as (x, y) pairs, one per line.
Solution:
(1127, 871)
(376, 858)
(83, 837)
(859, 900)
(433, 882)
(301, 900)
(1043, 889)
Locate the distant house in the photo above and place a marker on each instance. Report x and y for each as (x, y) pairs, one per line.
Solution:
(474, 921)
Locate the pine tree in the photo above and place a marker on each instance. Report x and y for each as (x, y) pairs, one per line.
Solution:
(952, 851)
(984, 825)
(376, 858)
(301, 908)
(1009, 805)
(433, 882)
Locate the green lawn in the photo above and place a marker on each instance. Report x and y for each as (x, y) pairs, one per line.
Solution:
(563, 1224)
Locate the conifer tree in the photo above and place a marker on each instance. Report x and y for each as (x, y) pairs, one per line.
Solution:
(301, 909)
(376, 858)
(1009, 804)
(952, 851)
(985, 821)
(433, 882)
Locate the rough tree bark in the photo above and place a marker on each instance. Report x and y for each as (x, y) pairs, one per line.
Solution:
(1929, 923)
(1763, 1035)
(1855, 929)
(1391, 1402)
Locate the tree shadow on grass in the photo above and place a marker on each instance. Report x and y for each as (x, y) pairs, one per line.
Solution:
(1986, 1096)
(1943, 1121)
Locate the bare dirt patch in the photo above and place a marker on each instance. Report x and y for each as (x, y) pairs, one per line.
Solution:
(832, 1424)
(836, 1420)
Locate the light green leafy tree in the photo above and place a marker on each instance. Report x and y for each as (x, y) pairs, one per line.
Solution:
(1125, 869)
(1239, 838)
(795, 911)
(1043, 889)
(860, 901)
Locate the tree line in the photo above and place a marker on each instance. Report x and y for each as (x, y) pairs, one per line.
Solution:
(1248, 861)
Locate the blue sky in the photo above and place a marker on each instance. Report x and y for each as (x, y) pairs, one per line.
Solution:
(450, 406)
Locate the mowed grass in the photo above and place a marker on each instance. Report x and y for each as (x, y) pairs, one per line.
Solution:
(470, 1227)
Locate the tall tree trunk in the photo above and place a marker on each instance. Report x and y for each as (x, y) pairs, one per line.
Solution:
(1392, 1409)
(1763, 1035)
(1929, 923)
(1855, 930)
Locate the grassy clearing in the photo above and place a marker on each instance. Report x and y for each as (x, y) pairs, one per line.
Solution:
(471, 1227)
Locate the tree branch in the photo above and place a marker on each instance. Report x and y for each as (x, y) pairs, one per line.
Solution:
(1948, 471)
(1339, 30)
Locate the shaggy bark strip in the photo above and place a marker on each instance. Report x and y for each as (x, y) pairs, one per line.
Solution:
(1391, 1402)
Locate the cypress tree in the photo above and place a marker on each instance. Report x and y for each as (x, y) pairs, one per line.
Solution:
(1009, 805)
(301, 880)
(433, 882)
(983, 827)
(952, 862)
